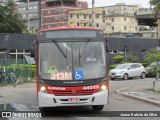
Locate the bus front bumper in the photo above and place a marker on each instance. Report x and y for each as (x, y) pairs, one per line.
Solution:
(49, 100)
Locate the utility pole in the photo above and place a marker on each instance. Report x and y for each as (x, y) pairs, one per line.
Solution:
(93, 13)
(28, 20)
(39, 14)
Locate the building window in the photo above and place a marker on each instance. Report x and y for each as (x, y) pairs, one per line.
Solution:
(125, 28)
(97, 25)
(77, 23)
(23, 16)
(103, 20)
(112, 19)
(112, 27)
(77, 16)
(84, 16)
(49, 26)
(71, 16)
(135, 27)
(90, 24)
(18, 54)
(97, 15)
(85, 24)
(90, 16)
(49, 19)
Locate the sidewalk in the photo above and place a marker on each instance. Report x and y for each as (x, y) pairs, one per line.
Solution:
(141, 92)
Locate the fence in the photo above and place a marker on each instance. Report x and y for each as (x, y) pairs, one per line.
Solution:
(11, 72)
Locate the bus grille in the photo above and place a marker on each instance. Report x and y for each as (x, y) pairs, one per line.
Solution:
(72, 93)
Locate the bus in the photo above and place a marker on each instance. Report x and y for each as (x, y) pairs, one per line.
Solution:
(72, 68)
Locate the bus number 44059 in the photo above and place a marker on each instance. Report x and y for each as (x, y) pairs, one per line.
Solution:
(91, 87)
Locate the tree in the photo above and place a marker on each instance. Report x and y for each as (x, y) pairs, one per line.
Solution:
(10, 20)
(152, 56)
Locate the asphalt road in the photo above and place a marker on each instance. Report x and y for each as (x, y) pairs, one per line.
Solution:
(23, 98)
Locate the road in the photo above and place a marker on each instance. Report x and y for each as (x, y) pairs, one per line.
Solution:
(23, 98)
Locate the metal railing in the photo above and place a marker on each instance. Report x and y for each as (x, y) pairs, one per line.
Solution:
(11, 73)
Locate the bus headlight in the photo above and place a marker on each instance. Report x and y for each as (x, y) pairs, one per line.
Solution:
(103, 86)
(43, 88)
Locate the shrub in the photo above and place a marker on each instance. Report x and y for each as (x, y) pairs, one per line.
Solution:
(118, 58)
(132, 58)
(112, 66)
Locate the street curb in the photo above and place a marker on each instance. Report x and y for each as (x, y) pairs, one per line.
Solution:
(135, 97)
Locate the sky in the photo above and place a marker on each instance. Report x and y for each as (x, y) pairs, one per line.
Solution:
(100, 3)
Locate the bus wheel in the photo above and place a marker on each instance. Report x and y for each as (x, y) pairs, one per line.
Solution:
(97, 107)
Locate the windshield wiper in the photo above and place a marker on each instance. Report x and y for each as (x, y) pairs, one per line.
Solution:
(83, 50)
(60, 49)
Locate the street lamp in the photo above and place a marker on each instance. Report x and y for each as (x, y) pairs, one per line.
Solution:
(93, 13)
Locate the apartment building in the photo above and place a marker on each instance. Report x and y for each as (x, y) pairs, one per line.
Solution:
(83, 17)
(29, 10)
(119, 18)
(54, 13)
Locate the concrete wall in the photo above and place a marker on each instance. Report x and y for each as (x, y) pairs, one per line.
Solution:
(135, 46)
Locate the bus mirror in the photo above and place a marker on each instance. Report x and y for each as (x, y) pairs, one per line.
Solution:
(107, 45)
(33, 49)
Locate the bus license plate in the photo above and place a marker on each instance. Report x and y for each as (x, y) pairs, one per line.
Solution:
(73, 100)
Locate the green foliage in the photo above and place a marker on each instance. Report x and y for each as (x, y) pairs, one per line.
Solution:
(143, 28)
(21, 70)
(132, 58)
(145, 64)
(31, 32)
(112, 66)
(118, 58)
(153, 68)
(152, 56)
(10, 20)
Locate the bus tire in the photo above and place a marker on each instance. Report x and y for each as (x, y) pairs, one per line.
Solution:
(97, 107)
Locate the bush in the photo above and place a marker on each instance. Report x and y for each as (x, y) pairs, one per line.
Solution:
(118, 58)
(112, 66)
(132, 58)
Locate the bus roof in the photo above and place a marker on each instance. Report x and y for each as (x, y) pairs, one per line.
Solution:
(69, 28)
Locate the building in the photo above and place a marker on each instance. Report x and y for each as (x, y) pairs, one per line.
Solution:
(119, 18)
(54, 13)
(83, 17)
(15, 46)
(30, 12)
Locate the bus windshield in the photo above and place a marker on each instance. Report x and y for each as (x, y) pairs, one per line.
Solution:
(72, 60)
